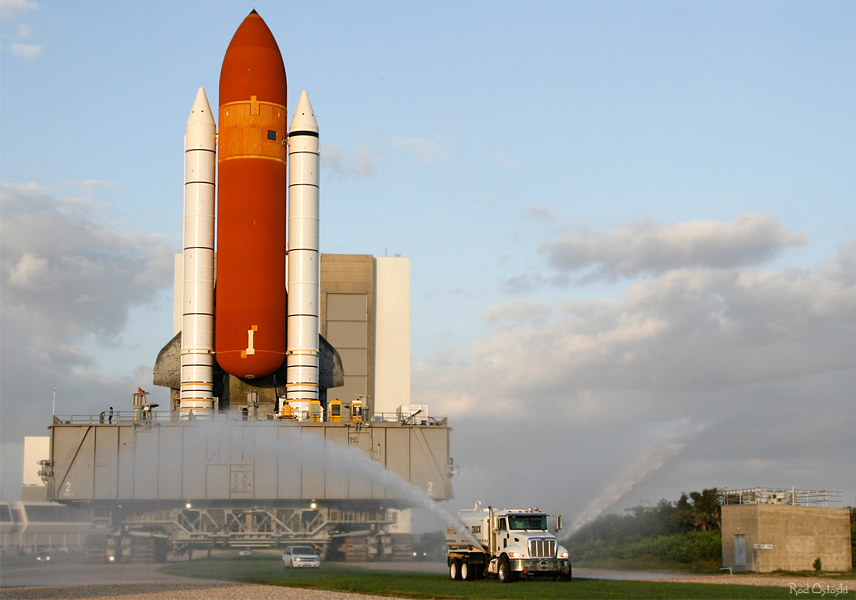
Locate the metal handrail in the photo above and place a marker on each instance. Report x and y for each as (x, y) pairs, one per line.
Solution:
(160, 416)
(785, 496)
(118, 416)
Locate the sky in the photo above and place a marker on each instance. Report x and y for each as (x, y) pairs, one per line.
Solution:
(632, 225)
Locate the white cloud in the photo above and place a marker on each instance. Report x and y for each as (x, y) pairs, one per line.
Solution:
(362, 162)
(523, 311)
(67, 280)
(28, 51)
(429, 153)
(359, 162)
(540, 213)
(639, 248)
(31, 273)
(757, 360)
(11, 9)
(509, 164)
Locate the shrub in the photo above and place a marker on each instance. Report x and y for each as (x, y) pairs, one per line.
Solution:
(690, 548)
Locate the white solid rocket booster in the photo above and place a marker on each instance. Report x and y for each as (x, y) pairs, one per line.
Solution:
(197, 329)
(304, 269)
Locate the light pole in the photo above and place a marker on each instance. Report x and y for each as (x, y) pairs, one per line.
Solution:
(53, 410)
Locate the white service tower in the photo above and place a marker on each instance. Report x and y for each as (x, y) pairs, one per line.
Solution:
(197, 327)
(304, 267)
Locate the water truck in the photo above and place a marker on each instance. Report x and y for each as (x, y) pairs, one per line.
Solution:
(507, 544)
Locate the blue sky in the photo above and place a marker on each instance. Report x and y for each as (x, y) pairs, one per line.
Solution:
(631, 224)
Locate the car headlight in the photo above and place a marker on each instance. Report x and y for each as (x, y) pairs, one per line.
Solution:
(515, 554)
(563, 554)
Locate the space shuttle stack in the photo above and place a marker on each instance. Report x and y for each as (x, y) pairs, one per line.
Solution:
(197, 340)
(304, 269)
(261, 319)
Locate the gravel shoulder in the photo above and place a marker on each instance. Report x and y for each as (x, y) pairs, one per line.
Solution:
(139, 582)
(164, 591)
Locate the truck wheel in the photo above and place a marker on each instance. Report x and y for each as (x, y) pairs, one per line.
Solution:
(455, 569)
(504, 574)
(564, 576)
(467, 573)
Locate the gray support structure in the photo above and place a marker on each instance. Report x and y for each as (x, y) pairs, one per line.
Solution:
(168, 462)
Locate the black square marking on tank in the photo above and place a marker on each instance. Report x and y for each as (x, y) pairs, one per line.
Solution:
(271, 134)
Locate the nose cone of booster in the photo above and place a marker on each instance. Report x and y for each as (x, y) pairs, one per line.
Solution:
(304, 117)
(200, 112)
(250, 312)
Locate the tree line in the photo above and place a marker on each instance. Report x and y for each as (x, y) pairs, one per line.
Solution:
(686, 532)
(694, 511)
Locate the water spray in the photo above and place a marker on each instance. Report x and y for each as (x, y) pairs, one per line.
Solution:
(669, 440)
(357, 461)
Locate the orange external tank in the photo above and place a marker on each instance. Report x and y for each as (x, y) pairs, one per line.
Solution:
(250, 309)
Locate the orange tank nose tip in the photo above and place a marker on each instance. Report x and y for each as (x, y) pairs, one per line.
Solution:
(253, 65)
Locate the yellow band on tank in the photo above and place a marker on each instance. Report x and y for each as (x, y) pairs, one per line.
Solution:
(253, 156)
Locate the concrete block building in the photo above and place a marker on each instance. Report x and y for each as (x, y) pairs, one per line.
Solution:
(779, 529)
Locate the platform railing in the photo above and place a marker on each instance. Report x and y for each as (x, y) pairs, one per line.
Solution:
(117, 417)
(125, 417)
(784, 496)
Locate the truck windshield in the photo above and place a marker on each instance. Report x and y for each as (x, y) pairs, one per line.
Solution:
(527, 522)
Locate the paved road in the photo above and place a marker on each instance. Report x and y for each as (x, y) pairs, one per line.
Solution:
(144, 582)
(79, 574)
(429, 567)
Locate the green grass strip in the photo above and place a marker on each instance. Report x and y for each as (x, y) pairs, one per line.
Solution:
(337, 577)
